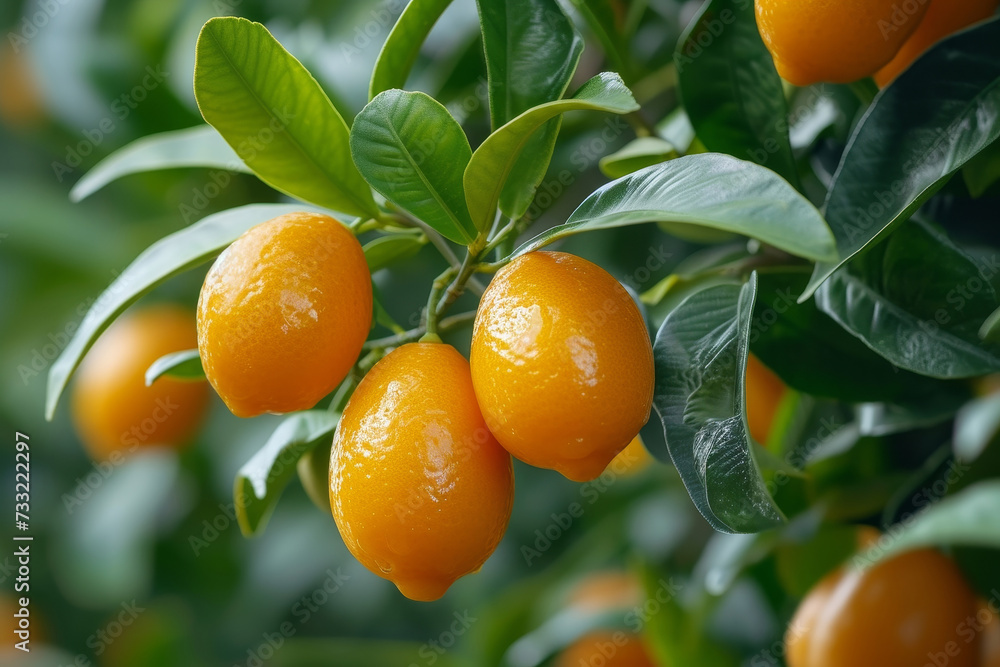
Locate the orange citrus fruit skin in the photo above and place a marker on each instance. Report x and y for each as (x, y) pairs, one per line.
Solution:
(113, 410)
(943, 18)
(893, 614)
(764, 393)
(608, 648)
(991, 635)
(419, 487)
(562, 363)
(283, 314)
(835, 41)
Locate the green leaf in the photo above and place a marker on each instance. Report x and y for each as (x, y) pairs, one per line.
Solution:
(637, 154)
(532, 50)
(933, 119)
(968, 518)
(494, 160)
(183, 365)
(387, 250)
(261, 480)
(167, 257)
(812, 354)
(603, 20)
(990, 331)
(976, 425)
(730, 88)
(402, 46)
(983, 170)
(356, 653)
(276, 117)
(711, 190)
(411, 150)
(917, 300)
(700, 356)
(199, 146)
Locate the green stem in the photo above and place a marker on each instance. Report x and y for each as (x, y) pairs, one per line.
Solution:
(456, 288)
(434, 298)
(444, 325)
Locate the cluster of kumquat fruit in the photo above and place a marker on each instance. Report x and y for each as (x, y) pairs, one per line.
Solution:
(282, 320)
(814, 41)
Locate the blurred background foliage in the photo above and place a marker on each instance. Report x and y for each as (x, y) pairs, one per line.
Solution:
(153, 545)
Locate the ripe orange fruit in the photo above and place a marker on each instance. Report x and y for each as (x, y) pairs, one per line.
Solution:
(600, 591)
(419, 487)
(609, 648)
(991, 636)
(837, 42)
(113, 410)
(943, 18)
(894, 614)
(562, 363)
(764, 393)
(283, 314)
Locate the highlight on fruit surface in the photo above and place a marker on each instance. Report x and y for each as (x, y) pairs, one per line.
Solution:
(283, 314)
(562, 363)
(419, 487)
(814, 41)
(114, 412)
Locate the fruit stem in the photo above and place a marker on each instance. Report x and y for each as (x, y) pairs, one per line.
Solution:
(444, 325)
(434, 299)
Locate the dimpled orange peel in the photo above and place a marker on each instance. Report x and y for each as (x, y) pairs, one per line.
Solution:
(562, 363)
(114, 412)
(896, 613)
(419, 487)
(836, 41)
(283, 314)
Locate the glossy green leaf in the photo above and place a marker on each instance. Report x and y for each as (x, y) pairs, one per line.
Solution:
(712, 190)
(990, 330)
(387, 250)
(261, 480)
(167, 257)
(730, 88)
(183, 365)
(276, 116)
(976, 425)
(493, 161)
(982, 171)
(933, 119)
(199, 146)
(635, 155)
(700, 356)
(532, 50)
(968, 518)
(411, 150)
(402, 46)
(917, 300)
(813, 354)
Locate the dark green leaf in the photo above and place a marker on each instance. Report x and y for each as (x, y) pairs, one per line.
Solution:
(730, 89)
(917, 300)
(968, 518)
(402, 46)
(199, 146)
(933, 119)
(700, 356)
(493, 161)
(532, 50)
(711, 190)
(411, 150)
(167, 257)
(637, 154)
(814, 355)
(276, 117)
(983, 170)
(261, 480)
(392, 248)
(184, 365)
(990, 330)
